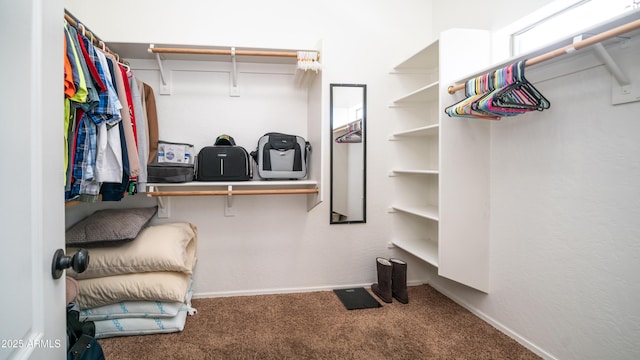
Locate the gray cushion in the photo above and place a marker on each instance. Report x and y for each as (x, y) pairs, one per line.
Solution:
(106, 227)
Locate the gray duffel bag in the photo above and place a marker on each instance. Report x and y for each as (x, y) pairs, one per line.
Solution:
(281, 156)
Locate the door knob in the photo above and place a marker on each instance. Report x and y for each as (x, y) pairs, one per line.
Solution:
(78, 262)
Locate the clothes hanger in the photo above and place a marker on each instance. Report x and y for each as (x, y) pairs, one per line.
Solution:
(522, 95)
(353, 134)
(502, 80)
(473, 91)
(503, 92)
(127, 67)
(513, 94)
(80, 25)
(350, 137)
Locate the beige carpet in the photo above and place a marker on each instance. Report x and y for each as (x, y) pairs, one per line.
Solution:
(317, 326)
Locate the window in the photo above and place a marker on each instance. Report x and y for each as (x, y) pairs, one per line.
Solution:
(570, 20)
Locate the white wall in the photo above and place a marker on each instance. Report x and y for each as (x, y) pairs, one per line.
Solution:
(564, 204)
(273, 244)
(487, 15)
(564, 209)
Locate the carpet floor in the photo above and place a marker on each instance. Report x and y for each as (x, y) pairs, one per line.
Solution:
(316, 325)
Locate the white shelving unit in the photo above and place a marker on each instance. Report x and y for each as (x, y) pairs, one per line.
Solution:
(440, 201)
(417, 141)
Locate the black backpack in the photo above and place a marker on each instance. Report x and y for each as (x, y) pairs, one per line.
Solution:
(82, 344)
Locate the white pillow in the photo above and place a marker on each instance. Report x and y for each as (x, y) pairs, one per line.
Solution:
(141, 326)
(165, 247)
(150, 286)
(136, 309)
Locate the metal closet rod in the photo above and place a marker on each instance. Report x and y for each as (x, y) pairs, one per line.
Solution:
(633, 25)
(237, 52)
(73, 21)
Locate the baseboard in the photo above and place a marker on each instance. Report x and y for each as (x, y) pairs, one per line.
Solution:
(204, 295)
(493, 322)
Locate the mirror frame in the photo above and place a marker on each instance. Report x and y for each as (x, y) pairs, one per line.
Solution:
(364, 153)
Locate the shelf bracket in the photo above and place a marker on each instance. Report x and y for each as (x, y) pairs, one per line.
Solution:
(622, 89)
(164, 203)
(165, 77)
(612, 66)
(228, 202)
(234, 91)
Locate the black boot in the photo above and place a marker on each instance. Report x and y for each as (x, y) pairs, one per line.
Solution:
(399, 280)
(383, 287)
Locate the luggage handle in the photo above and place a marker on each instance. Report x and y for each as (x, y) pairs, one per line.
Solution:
(254, 154)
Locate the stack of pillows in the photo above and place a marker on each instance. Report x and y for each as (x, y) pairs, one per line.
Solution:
(138, 280)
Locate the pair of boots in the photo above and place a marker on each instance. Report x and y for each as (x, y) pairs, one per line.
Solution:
(392, 280)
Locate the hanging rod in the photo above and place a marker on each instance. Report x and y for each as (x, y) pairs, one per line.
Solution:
(156, 50)
(346, 126)
(633, 25)
(73, 21)
(233, 192)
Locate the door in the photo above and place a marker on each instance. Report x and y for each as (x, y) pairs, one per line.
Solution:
(32, 305)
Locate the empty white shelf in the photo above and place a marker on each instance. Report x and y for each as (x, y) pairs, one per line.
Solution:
(421, 248)
(427, 212)
(425, 93)
(426, 58)
(413, 172)
(429, 130)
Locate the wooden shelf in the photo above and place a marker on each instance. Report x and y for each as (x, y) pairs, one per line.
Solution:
(164, 191)
(265, 185)
(427, 212)
(141, 51)
(421, 248)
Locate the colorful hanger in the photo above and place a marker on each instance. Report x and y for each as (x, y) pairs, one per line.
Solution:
(503, 92)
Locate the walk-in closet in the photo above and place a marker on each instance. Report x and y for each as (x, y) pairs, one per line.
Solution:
(468, 185)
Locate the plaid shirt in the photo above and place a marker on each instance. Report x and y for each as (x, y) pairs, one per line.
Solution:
(107, 110)
(85, 151)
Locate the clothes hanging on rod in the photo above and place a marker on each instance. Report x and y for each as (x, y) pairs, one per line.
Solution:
(503, 92)
(353, 133)
(350, 137)
(106, 137)
(95, 40)
(307, 67)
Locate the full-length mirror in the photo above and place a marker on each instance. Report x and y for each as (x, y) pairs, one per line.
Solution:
(348, 153)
